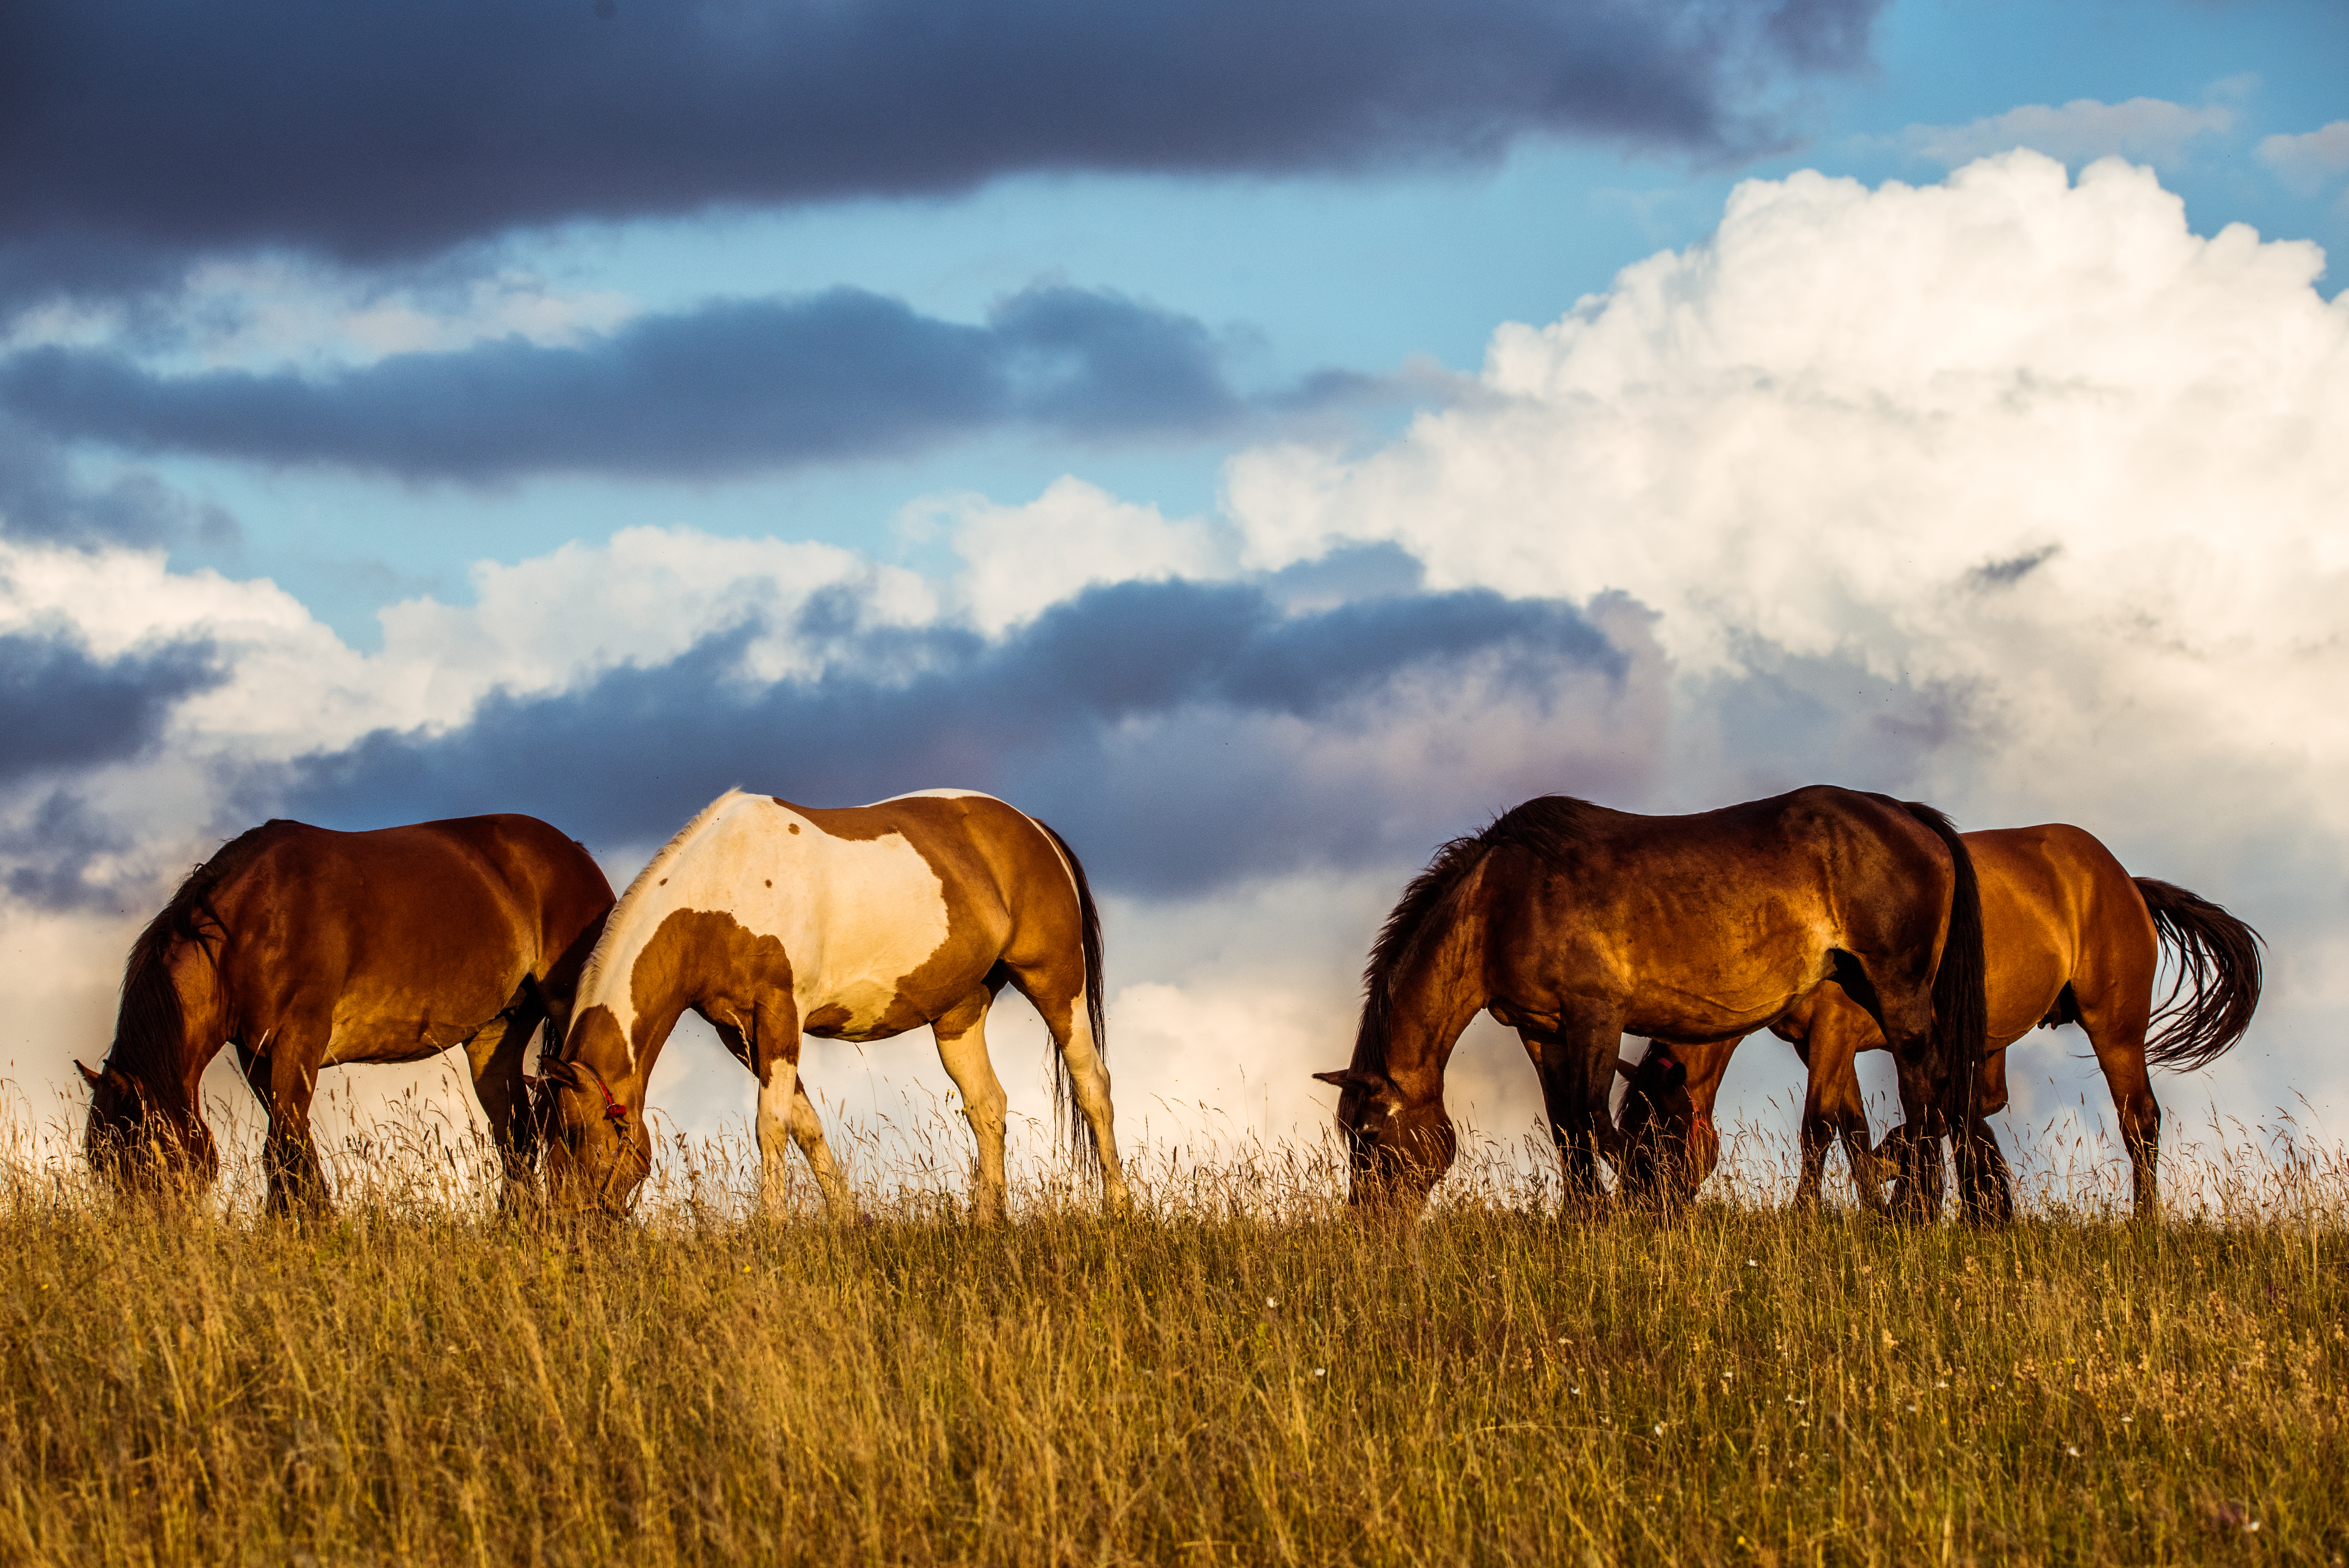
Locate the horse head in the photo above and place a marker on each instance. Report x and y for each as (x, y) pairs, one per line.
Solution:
(143, 1141)
(1668, 1149)
(1399, 1146)
(598, 1149)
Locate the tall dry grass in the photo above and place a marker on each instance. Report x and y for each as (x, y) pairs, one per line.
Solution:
(1238, 1373)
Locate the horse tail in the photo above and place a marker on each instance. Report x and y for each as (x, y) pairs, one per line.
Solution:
(1077, 1130)
(1961, 1004)
(2218, 960)
(151, 1022)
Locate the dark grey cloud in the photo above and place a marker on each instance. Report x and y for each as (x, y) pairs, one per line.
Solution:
(42, 498)
(733, 386)
(372, 131)
(1168, 728)
(54, 855)
(60, 709)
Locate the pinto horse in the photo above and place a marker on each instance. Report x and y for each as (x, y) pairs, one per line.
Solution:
(2071, 938)
(774, 922)
(1576, 924)
(305, 948)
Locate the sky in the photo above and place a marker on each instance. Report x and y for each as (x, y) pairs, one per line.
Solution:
(1262, 442)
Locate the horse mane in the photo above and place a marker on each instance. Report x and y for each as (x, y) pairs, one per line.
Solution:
(591, 973)
(1547, 825)
(147, 1029)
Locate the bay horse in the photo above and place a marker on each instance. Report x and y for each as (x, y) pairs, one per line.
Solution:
(2070, 938)
(1576, 924)
(774, 922)
(305, 947)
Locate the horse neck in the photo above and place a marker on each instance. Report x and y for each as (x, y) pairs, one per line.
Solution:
(173, 1021)
(644, 1001)
(1434, 992)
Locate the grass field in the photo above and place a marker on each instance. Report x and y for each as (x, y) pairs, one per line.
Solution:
(1238, 1374)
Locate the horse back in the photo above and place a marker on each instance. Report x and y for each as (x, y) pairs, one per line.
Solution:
(399, 940)
(1004, 893)
(1744, 906)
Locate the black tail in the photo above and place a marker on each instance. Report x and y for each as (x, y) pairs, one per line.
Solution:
(1960, 1009)
(2217, 960)
(1075, 1129)
(148, 1029)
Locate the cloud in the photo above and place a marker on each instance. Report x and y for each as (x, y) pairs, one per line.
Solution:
(370, 132)
(2010, 492)
(1182, 734)
(734, 385)
(41, 497)
(2310, 160)
(2079, 132)
(61, 708)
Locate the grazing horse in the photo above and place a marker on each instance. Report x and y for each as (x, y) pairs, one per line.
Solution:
(303, 948)
(1576, 924)
(774, 922)
(2070, 938)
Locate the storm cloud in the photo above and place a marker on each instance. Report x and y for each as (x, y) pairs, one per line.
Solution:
(61, 708)
(734, 385)
(1180, 734)
(375, 131)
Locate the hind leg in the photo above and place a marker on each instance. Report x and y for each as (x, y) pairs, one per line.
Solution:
(1916, 1144)
(961, 1033)
(1834, 1109)
(2116, 1032)
(1988, 1185)
(1062, 1008)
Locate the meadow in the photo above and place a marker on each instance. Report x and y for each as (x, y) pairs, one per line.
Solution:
(1238, 1373)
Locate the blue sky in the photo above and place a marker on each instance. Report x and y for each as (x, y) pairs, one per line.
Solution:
(378, 386)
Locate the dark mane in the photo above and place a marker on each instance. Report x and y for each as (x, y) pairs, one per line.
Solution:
(147, 1030)
(1551, 826)
(1546, 825)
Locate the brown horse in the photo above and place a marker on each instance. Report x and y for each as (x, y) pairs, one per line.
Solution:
(305, 948)
(1576, 924)
(774, 922)
(2070, 938)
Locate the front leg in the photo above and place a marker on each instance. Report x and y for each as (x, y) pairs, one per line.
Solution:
(495, 1056)
(285, 1075)
(1577, 1077)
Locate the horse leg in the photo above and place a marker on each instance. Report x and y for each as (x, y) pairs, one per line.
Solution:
(961, 1032)
(771, 1048)
(1833, 1107)
(495, 1055)
(285, 1078)
(1087, 1086)
(807, 1131)
(1988, 1184)
(1917, 1142)
(1577, 1077)
(2117, 1037)
(1707, 1064)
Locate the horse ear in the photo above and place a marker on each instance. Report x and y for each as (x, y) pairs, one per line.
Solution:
(1337, 1079)
(87, 1076)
